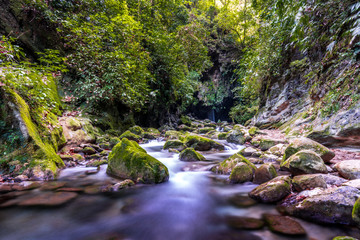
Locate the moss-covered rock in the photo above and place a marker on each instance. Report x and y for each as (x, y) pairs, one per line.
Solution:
(241, 173)
(250, 152)
(78, 157)
(190, 155)
(236, 136)
(200, 143)
(185, 120)
(185, 128)
(131, 136)
(304, 162)
(112, 142)
(151, 133)
(222, 136)
(73, 123)
(264, 173)
(278, 150)
(174, 144)
(344, 238)
(356, 212)
(206, 130)
(89, 150)
(226, 166)
(137, 130)
(299, 144)
(129, 161)
(273, 190)
(172, 134)
(96, 163)
(308, 182)
(266, 143)
(253, 131)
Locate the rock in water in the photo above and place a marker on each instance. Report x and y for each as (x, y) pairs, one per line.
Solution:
(244, 222)
(331, 205)
(304, 162)
(129, 161)
(264, 173)
(190, 155)
(272, 191)
(174, 144)
(303, 143)
(284, 225)
(349, 169)
(308, 182)
(226, 166)
(241, 173)
(202, 144)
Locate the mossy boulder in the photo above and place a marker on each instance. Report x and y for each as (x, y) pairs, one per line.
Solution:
(226, 166)
(308, 182)
(89, 150)
(267, 143)
(200, 143)
(222, 136)
(344, 238)
(190, 155)
(185, 120)
(206, 130)
(174, 144)
(172, 134)
(131, 136)
(129, 161)
(303, 143)
(241, 173)
(73, 123)
(304, 162)
(250, 152)
(137, 130)
(264, 173)
(278, 150)
(253, 131)
(185, 128)
(356, 212)
(151, 133)
(273, 190)
(349, 169)
(236, 136)
(330, 205)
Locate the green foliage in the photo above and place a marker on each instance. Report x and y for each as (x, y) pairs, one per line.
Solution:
(242, 113)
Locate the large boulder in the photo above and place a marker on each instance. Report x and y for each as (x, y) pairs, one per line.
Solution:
(304, 162)
(129, 161)
(137, 130)
(303, 143)
(200, 143)
(236, 136)
(241, 173)
(131, 136)
(174, 144)
(349, 169)
(265, 173)
(308, 182)
(331, 205)
(226, 166)
(190, 155)
(172, 134)
(273, 190)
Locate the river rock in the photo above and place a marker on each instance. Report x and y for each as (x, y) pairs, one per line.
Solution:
(303, 143)
(353, 183)
(206, 130)
(226, 166)
(241, 173)
(332, 180)
(244, 222)
(304, 162)
(174, 144)
(331, 205)
(264, 173)
(236, 136)
(48, 186)
(266, 143)
(190, 155)
(278, 149)
(129, 161)
(130, 136)
(308, 182)
(284, 225)
(273, 190)
(200, 143)
(241, 201)
(349, 169)
(250, 152)
(137, 130)
(89, 150)
(172, 134)
(49, 199)
(356, 212)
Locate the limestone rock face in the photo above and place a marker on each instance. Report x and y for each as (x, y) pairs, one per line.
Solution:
(129, 161)
(304, 162)
(349, 169)
(273, 190)
(303, 143)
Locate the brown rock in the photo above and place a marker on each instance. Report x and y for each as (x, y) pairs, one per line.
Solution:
(241, 201)
(283, 224)
(48, 199)
(244, 222)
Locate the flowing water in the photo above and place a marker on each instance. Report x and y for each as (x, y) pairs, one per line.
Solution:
(191, 206)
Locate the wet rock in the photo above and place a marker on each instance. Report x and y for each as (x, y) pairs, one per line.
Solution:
(5, 188)
(89, 150)
(21, 178)
(266, 143)
(137, 130)
(92, 190)
(349, 169)
(237, 136)
(91, 172)
(244, 222)
(356, 212)
(200, 143)
(270, 158)
(272, 191)
(353, 183)
(264, 173)
(333, 180)
(77, 157)
(174, 144)
(104, 153)
(253, 131)
(70, 189)
(49, 186)
(241, 173)
(171, 134)
(284, 225)
(123, 184)
(151, 133)
(73, 123)
(131, 136)
(331, 205)
(226, 166)
(93, 156)
(24, 186)
(304, 162)
(250, 152)
(308, 182)
(106, 146)
(66, 157)
(112, 142)
(256, 161)
(96, 163)
(300, 144)
(37, 174)
(48, 199)
(190, 155)
(278, 150)
(206, 129)
(222, 136)
(241, 201)
(129, 161)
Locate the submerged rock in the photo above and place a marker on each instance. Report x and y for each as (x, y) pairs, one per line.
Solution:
(349, 169)
(241, 173)
(283, 224)
(303, 143)
(304, 162)
(241, 201)
(190, 155)
(273, 190)
(48, 199)
(129, 161)
(244, 222)
(331, 205)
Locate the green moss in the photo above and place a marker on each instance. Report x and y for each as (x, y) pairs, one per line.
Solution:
(137, 130)
(113, 141)
(186, 120)
(73, 123)
(206, 129)
(201, 143)
(241, 173)
(265, 144)
(78, 157)
(228, 164)
(356, 212)
(172, 134)
(131, 136)
(96, 163)
(222, 136)
(129, 160)
(344, 238)
(253, 131)
(174, 144)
